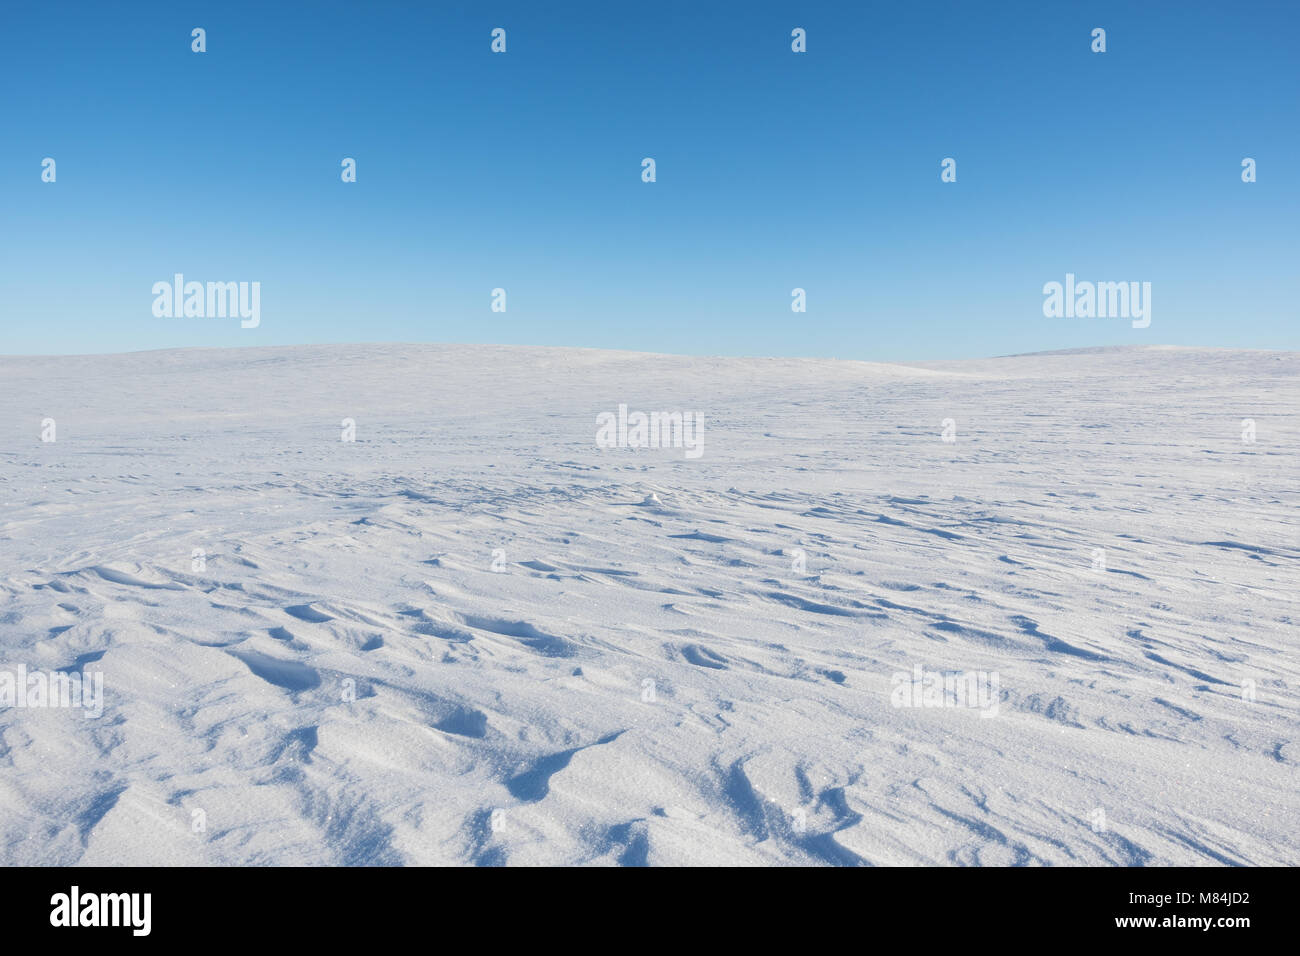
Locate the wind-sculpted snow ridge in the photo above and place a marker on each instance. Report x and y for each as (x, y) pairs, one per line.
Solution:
(472, 636)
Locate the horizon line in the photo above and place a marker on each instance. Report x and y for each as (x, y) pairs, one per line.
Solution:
(1081, 350)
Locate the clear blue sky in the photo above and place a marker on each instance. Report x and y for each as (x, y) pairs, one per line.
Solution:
(775, 170)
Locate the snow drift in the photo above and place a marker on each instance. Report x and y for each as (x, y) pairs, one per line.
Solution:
(475, 634)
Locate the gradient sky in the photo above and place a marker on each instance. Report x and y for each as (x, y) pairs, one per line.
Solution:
(775, 170)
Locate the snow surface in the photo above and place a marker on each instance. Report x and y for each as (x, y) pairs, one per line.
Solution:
(499, 717)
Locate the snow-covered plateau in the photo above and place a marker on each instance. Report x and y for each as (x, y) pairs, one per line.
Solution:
(406, 604)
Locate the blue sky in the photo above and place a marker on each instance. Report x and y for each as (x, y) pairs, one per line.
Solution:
(775, 170)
